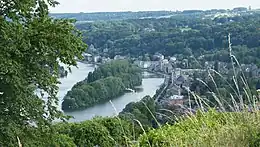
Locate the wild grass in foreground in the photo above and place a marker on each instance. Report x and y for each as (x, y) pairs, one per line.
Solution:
(232, 125)
(208, 129)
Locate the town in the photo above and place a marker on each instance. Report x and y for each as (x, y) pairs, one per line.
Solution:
(178, 72)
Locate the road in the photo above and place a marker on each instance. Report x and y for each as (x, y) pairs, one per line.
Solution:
(166, 84)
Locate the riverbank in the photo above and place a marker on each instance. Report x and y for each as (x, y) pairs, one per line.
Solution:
(149, 86)
(107, 81)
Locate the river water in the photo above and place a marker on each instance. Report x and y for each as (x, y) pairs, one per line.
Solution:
(149, 87)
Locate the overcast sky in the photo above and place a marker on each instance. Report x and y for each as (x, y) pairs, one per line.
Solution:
(144, 5)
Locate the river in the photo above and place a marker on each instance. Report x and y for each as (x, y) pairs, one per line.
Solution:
(149, 87)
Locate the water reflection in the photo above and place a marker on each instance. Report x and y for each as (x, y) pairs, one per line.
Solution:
(150, 84)
(148, 87)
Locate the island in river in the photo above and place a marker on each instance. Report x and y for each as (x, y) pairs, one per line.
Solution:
(150, 84)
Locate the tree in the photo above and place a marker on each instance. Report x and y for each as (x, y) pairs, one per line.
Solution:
(31, 46)
(144, 111)
(90, 77)
(100, 131)
(89, 94)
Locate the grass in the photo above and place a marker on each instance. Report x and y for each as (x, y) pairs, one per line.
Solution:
(207, 129)
(236, 127)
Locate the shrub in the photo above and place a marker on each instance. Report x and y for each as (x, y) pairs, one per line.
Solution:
(208, 129)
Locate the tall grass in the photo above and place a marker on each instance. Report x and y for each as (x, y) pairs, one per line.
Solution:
(207, 129)
(236, 126)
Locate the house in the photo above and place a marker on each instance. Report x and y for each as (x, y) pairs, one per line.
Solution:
(149, 29)
(168, 68)
(239, 9)
(92, 48)
(158, 57)
(165, 61)
(118, 57)
(173, 59)
(88, 57)
(97, 59)
(143, 64)
(155, 66)
(180, 80)
(105, 50)
(175, 102)
(176, 97)
(105, 60)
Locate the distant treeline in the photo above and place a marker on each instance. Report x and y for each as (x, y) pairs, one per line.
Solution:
(180, 34)
(106, 82)
(99, 16)
(104, 16)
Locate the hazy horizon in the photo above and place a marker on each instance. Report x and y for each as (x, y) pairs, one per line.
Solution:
(67, 6)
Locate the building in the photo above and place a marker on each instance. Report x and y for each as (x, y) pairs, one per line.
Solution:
(239, 9)
(176, 97)
(97, 59)
(118, 57)
(105, 50)
(168, 68)
(143, 64)
(149, 29)
(88, 57)
(173, 59)
(180, 80)
(92, 48)
(158, 57)
(155, 66)
(175, 102)
(105, 60)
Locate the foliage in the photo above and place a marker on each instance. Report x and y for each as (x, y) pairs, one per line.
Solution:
(207, 129)
(31, 46)
(88, 94)
(144, 111)
(106, 82)
(99, 131)
(101, 16)
(129, 73)
(62, 72)
(215, 86)
(149, 114)
(179, 34)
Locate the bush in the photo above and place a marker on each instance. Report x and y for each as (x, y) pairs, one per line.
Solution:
(103, 132)
(208, 129)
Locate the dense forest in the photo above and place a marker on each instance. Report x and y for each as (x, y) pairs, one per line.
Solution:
(88, 94)
(106, 82)
(180, 34)
(129, 73)
(108, 16)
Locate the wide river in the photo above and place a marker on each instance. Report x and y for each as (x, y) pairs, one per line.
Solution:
(149, 87)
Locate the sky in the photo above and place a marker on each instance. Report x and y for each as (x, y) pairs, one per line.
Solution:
(75, 6)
